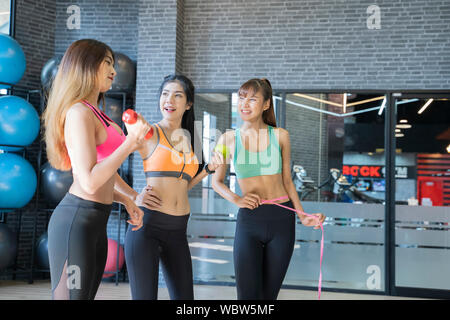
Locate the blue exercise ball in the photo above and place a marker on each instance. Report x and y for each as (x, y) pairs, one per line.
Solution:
(42, 260)
(8, 246)
(18, 181)
(19, 123)
(12, 61)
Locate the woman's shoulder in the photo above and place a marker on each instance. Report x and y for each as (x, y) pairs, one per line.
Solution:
(282, 132)
(228, 137)
(79, 112)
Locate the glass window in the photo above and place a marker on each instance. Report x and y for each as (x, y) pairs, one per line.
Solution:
(337, 142)
(5, 13)
(422, 194)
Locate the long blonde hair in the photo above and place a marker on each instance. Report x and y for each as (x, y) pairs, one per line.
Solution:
(74, 81)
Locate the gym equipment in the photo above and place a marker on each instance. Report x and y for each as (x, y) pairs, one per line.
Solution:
(125, 79)
(8, 246)
(12, 61)
(130, 117)
(49, 71)
(18, 181)
(42, 260)
(336, 187)
(113, 109)
(19, 123)
(54, 184)
(303, 184)
(111, 260)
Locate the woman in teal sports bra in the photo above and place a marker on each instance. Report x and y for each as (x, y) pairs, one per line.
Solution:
(265, 233)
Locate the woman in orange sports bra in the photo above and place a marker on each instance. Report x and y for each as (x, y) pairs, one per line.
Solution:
(171, 168)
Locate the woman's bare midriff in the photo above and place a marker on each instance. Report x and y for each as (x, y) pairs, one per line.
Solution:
(173, 193)
(104, 194)
(266, 187)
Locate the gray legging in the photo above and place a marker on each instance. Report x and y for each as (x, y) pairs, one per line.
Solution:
(263, 247)
(162, 237)
(77, 247)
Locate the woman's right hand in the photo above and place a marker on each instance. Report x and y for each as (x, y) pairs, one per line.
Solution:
(149, 198)
(137, 131)
(249, 200)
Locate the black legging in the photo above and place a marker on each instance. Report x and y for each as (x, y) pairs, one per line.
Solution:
(77, 247)
(263, 247)
(162, 236)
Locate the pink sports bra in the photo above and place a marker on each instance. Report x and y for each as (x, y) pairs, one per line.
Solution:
(114, 139)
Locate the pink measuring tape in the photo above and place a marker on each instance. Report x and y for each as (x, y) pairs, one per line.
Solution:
(272, 201)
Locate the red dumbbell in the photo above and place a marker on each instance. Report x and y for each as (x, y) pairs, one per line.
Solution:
(130, 117)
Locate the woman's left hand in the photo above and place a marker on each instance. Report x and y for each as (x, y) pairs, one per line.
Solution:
(136, 215)
(309, 221)
(216, 160)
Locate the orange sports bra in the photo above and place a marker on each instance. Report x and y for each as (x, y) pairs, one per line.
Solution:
(165, 161)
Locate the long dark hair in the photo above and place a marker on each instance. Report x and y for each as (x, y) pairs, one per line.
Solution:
(188, 120)
(263, 85)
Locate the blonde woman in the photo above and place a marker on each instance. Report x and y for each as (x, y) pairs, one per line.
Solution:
(79, 136)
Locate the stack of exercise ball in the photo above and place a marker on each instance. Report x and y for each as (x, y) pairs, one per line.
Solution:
(19, 127)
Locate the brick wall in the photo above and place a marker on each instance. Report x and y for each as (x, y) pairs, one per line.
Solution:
(318, 44)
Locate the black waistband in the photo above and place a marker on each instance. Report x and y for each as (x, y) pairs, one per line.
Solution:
(175, 174)
(268, 211)
(161, 220)
(73, 200)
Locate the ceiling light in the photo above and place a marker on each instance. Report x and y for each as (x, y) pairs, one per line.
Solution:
(425, 106)
(399, 135)
(448, 148)
(398, 130)
(344, 103)
(382, 107)
(403, 126)
(403, 121)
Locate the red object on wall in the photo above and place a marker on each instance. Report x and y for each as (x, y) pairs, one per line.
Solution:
(434, 168)
(430, 189)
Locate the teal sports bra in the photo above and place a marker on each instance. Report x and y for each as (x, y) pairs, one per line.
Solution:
(251, 164)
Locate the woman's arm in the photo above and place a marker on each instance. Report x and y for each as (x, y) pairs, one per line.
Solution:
(199, 177)
(249, 200)
(216, 160)
(79, 131)
(136, 214)
(123, 187)
(286, 170)
(218, 177)
(289, 185)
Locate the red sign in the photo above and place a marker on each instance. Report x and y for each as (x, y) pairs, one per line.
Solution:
(363, 171)
(401, 172)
